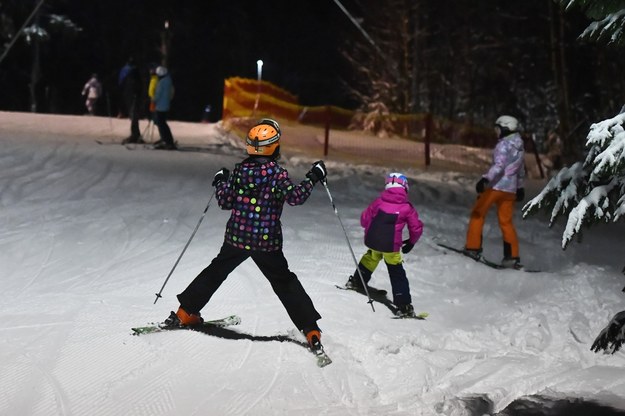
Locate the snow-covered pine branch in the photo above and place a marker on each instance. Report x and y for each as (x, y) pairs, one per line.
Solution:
(608, 20)
(560, 193)
(591, 191)
(593, 208)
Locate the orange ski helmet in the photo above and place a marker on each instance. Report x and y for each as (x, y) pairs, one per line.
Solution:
(264, 138)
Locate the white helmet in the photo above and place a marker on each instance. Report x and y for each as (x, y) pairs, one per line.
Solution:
(508, 122)
(396, 180)
(161, 71)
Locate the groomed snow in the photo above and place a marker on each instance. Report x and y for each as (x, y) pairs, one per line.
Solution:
(89, 233)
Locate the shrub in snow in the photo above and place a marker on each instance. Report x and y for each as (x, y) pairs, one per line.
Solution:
(377, 119)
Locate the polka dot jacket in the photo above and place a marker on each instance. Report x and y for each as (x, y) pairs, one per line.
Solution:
(256, 192)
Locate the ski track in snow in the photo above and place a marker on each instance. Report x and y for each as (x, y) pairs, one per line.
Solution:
(91, 232)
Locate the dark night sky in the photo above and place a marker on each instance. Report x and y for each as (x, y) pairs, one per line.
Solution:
(212, 40)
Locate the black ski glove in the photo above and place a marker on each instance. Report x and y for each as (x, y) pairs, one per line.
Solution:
(221, 176)
(479, 187)
(520, 194)
(317, 172)
(407, 246)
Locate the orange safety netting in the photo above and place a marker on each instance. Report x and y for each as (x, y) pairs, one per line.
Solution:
(252, 98)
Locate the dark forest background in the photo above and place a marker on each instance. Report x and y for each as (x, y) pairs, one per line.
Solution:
(463, 60)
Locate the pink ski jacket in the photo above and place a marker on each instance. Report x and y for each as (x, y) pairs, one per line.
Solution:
(384, 220)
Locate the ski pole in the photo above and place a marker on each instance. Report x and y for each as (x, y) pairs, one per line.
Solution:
(158, 295)
(364, 284)
(108, 109)
(147, 128)
(152, 132)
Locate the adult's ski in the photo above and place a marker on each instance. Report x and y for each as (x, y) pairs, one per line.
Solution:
(106, 142)
(485, 261)
(161, 327)
(150, 146)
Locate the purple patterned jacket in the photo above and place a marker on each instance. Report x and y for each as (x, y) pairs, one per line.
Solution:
(256, 192)
(508, 169)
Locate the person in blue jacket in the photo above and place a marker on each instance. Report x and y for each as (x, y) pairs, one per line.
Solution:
(162, 102)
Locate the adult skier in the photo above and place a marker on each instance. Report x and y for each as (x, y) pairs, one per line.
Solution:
(502, 186)
(255, 193)
(130, 88)
(163, 94)
(92, 91)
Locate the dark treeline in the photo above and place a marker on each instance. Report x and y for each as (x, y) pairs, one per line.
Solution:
(462, 60)
(472, 61)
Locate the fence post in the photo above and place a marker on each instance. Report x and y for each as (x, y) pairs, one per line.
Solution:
(428, 138)
(326, 143)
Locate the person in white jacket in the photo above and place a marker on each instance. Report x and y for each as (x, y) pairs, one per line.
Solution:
(92, 91)
(502, 186)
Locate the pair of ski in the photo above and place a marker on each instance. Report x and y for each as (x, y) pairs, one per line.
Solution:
(322, 358)
(379, 295)
(485, 261)
(145, 146)
(130, 145)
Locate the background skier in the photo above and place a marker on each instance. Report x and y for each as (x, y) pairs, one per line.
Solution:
(130, 89)
(255, 193)
(92, 91)
(384, 220)
(163, 94)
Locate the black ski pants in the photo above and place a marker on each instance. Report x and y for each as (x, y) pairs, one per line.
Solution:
(163, 128)
(272, 264)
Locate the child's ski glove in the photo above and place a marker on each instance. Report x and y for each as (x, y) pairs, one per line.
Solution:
(317, 172)
(407, 246)
(221, 176)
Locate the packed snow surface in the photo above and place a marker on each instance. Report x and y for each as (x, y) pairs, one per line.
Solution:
(90, 232)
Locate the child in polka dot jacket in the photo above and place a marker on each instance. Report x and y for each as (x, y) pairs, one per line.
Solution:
(255, 194)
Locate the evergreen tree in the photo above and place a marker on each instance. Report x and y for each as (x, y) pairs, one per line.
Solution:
(591, 191)
(608, 19)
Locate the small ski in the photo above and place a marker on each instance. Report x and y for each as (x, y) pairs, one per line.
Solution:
(380, 296)
(160, 327)
(419, 316)
(484, 261)
(372, 290)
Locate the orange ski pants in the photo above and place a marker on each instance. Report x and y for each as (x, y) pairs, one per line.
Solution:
(505, 202)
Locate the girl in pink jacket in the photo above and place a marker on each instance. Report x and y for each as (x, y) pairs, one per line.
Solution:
(384, 220)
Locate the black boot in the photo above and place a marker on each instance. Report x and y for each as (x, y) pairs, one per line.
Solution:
(405, 311)
(354, 281)
(313, 336)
